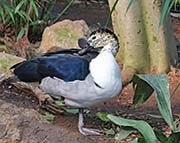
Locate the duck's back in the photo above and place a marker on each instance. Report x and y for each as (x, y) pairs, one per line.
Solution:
(66, 65)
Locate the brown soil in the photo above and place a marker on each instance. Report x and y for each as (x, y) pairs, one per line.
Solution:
(121, 105)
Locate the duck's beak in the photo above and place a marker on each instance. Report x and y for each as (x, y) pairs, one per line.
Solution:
(84, 45)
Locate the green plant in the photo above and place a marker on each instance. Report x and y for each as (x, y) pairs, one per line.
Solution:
(48, 117)
(2, 46)
(45, 19)
(60, 105)
(17, 15)
(109, 16)
(26, 19)
(144, 85)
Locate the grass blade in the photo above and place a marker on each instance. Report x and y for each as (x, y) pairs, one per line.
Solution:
(175, 89)
(19, 6)
(2, 15)
(164, 11)
(10, 12)
(33, 5)
(129, 5)
(109, 16)
(20, 34)
(23, 15)
(64, 10)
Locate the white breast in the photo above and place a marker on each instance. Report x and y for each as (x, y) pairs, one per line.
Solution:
(106, 73)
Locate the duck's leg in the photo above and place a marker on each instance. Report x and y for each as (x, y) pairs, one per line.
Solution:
(86, 131)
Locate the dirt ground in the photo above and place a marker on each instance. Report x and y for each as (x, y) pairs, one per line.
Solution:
(97, 13)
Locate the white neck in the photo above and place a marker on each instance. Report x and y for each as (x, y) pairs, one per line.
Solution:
(107, 47)
(111, 47)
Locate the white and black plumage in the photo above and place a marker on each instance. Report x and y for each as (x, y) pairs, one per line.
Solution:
(101, 83)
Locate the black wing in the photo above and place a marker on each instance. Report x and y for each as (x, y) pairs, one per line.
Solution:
(64, 64)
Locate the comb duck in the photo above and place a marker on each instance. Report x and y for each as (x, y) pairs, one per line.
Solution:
(82, 77)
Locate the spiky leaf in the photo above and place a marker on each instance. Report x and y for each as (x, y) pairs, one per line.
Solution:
(143, 127)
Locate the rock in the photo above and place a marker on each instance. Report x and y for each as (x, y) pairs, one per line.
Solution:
(23, 125)
(63, 35)
(6, 61)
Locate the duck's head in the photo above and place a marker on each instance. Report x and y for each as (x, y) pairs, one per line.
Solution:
(100, 40)
(104, 39)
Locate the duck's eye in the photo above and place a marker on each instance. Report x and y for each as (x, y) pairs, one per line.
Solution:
(93, 37)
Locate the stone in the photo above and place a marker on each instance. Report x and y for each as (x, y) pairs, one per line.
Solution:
(6, 61)
(24, 125)
(63, 35)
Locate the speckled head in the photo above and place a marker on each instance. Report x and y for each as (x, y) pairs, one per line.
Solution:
(103, 37)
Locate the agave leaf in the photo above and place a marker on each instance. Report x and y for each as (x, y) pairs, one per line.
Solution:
(174, 138)
(143, 127)
(140, 86)
(123, 134)
(141, 139)
(178, 127)
(161, 137)
(110, 132)
(159, 83)
(134, 140)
